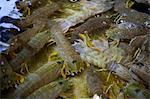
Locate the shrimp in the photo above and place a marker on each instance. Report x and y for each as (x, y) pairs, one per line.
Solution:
(51, 90)
(43, 12)
(93, 81)
(90, 25)
(72, 59)
(44, 75)
(32, 47)
(23, 38)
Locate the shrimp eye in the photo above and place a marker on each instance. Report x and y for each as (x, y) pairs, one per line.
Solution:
(73, 0)
(60, 82)
(74, 61)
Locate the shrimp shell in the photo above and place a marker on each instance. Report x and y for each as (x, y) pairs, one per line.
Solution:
(90, 25)
(23, 38)
(142, 74)
(136, 43)
(44, 75)
(123, 34)
(93, 82)
(51, 90)
(33, 46)
(119, 70)
(43, 12)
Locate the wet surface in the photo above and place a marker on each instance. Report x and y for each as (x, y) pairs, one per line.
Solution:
(8, 8)
(8, 15)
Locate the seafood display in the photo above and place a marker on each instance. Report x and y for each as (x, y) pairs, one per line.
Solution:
(77, 49)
